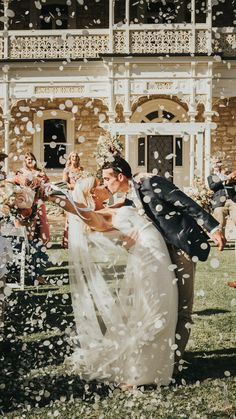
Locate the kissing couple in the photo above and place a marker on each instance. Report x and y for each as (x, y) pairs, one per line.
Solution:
(132, 274)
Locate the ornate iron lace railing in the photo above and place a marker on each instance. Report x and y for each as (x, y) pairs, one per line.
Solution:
(51, 46)
(224, 41)
(93, 43)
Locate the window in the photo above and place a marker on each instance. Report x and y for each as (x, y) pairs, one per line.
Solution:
(160, 12)
(224, 13)
(141, 151)
(21, 19)
(200, 11)
(152, 115)
(179, 151)
(93, 14)
(119, 11)
(54, 143)
(54, 16)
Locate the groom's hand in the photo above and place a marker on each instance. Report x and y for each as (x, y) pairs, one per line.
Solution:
(219, 239)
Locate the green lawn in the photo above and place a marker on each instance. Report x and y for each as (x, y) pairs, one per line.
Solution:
(36, 384)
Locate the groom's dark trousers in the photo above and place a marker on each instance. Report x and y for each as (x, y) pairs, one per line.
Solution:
(185, 273)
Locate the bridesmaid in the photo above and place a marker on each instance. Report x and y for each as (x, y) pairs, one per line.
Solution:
(37, 225)
(73, 170)
(71, 174)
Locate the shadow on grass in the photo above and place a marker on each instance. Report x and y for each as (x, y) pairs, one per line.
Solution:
(210, 311)
(209, 364)
(42, 391)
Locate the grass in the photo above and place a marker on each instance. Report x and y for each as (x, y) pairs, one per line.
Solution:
(35, 382)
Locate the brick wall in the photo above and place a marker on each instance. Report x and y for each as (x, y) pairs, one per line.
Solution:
(86, 130)
(224, 137)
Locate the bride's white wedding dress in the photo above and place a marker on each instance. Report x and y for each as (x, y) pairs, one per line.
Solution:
(124, 301)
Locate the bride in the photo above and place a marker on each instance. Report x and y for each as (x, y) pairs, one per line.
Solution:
(123, 289)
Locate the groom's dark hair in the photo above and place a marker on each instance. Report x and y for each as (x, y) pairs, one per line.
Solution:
(119, 165)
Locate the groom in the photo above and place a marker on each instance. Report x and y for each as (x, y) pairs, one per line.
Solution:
(180, 221)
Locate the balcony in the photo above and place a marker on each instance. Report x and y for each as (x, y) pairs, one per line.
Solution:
(75, 44)
(115, 27)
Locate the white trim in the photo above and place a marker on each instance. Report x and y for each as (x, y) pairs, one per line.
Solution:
(166, 128)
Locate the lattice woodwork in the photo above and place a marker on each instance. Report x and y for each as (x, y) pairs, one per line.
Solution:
(161, 41)
(225, 42)
(201, 42)
(119, 42)
(55, 47)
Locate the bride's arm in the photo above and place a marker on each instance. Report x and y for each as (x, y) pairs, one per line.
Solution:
(97, 221)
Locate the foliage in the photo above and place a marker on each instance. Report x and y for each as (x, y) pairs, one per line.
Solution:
(202, 194)
(107, 148)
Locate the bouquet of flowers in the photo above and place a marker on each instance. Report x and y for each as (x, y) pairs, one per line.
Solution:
(16, 202)
(107, 148)
(201, 194)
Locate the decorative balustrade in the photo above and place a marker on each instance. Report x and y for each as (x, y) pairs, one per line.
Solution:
(72, 46)
(224, 41)
(92, 43)
(202, 44)
(160, 41)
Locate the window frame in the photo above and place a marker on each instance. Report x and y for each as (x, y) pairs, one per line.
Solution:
(38, 141)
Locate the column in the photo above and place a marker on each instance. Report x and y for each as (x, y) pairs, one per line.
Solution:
(209, 26)
(199, 154)
(6, 117)
(127, 110)
(111, 105)
(127, 147)
(208, 118)
(207, 153)
(191, 160)
(192, 114)
(111, 24)
(193, 41)
(127, 18)
(5, 32)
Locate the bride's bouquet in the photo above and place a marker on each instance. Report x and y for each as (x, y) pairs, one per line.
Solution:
(16, 201)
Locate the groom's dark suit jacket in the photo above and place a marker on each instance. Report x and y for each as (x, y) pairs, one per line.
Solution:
(176, 216)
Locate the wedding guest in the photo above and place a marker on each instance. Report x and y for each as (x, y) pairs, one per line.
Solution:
(71, 174)
(73, 170)
(223, 185)
(36, 222)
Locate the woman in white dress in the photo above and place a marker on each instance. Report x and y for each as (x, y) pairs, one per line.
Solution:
(123, 290)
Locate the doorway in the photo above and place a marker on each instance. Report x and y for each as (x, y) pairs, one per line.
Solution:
(160, 155)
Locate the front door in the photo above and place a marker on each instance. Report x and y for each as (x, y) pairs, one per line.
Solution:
(160, 161)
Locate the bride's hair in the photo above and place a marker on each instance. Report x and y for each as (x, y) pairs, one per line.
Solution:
(82, 191)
